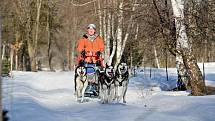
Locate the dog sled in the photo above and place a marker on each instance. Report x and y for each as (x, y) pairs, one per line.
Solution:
(87, 75)
(92, 72)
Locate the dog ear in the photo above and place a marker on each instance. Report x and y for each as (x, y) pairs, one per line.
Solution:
(76, 68)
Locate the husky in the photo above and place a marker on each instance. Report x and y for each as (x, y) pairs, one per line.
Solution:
(81, 82)
(106, 82)
(122, 80)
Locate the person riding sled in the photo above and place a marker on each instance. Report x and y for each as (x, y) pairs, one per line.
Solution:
(90, 48)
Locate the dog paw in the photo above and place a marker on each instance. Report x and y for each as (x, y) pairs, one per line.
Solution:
(106, 101)
(102, 101)
(118, 99)
(124, 101)
(110, 101)
(81, 101)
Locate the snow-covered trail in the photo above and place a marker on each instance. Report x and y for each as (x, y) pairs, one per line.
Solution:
(49, 96)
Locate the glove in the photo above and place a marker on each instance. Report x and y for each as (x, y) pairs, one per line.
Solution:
(98, 53)
(85, 36)
(98, 63)
(83, 53)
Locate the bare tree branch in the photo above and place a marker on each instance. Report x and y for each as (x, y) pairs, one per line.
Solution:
(79, 5)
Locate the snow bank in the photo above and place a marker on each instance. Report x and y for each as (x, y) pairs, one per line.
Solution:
(159, 76)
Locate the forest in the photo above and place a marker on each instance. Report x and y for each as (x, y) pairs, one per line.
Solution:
(43, 34)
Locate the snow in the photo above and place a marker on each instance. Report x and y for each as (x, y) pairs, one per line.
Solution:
(49, 96)
(209, 73)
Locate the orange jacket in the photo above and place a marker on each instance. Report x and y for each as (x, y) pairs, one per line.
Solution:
(91, 47)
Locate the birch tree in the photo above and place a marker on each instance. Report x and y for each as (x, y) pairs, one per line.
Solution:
(121, 40)
(156, 57)
(104, 17)
(184, 50)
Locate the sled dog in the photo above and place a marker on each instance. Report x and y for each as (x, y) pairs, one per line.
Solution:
(106, 82)
(122, 80)
(81, 82)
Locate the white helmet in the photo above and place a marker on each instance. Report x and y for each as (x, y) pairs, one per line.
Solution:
(91, 26)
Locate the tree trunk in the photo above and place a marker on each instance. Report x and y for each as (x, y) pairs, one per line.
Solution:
(119, 34)
(131, 61)
(73, 54)
(181, 42)
(112, 53)
(50, 55)
(121, 42)
(167, 75)
(156, 57)
(32, 56)
(107, 43)
(3, 51)
(195, 76)
(11, 58)
(16, 60)
(69, 53)
(104, 21)
(203, 24)
(204, 31)
(39, 4)
(73, 42)
(182, 72)
(184, 50)
(50, 62)
(100, 18)
(0, 70)
(23, 60)
(33, 46)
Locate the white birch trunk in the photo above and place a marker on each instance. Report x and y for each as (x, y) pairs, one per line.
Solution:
(178, 11)
(119, 34)
(112, 53)
(113, 32)
(16, 61)
(104, 22)
(120, 41)
(39, 4)
(184, 48)
(11, 59)
(137, 31)
(100, 18)
(107, 43)
(182, 40)
(156, 57)
(3, 51)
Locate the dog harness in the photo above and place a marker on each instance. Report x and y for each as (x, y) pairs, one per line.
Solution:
(122, 77)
